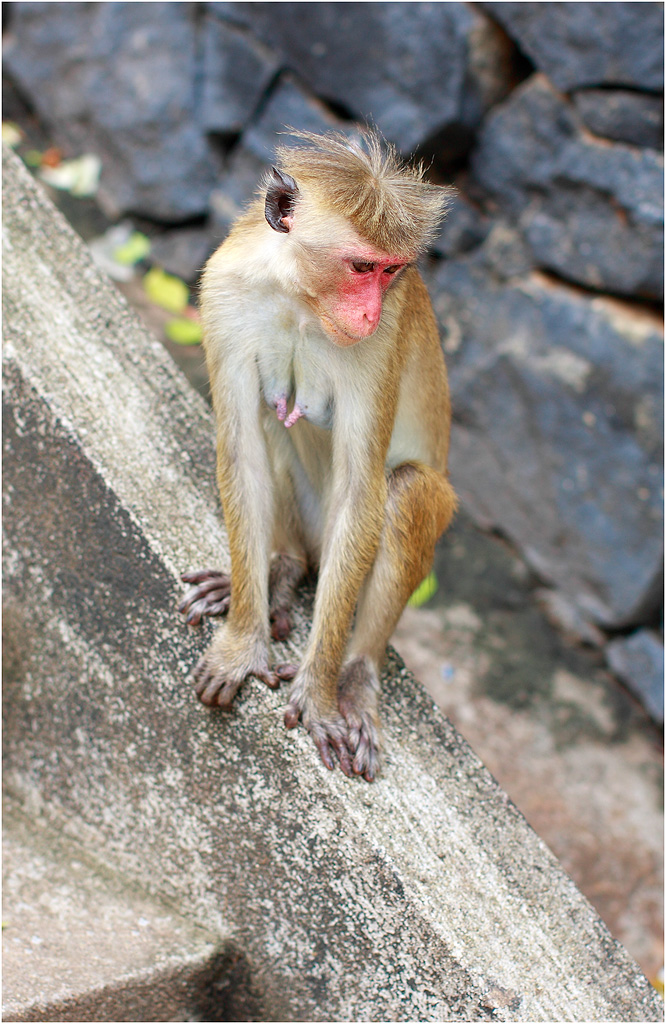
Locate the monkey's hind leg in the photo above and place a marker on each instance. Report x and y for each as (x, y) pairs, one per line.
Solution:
(287, 571)
(212, 594)
(420, 506)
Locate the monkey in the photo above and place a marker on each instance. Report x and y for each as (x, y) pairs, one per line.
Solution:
(332, 407)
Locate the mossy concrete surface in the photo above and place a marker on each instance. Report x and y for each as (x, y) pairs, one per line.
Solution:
(424, 896)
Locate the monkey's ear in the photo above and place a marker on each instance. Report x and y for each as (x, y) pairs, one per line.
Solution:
(281, 195)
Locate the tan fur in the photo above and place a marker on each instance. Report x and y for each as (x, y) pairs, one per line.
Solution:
(357, 487)
(367, 184)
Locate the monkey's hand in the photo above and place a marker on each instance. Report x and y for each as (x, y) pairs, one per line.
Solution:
(211, 597)
(228, 662)
(328, 729)
(358, 692)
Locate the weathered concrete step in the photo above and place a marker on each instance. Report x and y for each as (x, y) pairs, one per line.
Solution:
(82, 944)
(422, 897)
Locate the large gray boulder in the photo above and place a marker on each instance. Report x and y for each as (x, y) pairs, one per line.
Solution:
(638, 660)
(237, 71)
(622, 115)
(591, 211)
(580, 44)
(557, 437)
(120, 80)
(414, 70)
(423, 897)
(288, 105)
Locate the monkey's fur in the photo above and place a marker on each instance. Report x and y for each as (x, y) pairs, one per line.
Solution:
(316, 319)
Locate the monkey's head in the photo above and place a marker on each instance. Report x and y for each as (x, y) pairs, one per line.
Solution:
(353, 216)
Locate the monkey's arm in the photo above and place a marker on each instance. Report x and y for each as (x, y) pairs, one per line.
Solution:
(351, 538)
(240, 647)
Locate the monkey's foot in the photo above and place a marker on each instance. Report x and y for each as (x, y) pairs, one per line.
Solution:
(280, 623)
(211, 597)
(357, 693)
(329, 732)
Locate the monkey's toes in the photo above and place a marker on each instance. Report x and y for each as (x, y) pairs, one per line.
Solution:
(329, 738)
(280, 624)
(364, 743)
(212, 596)
(212, 688)
(366, 757)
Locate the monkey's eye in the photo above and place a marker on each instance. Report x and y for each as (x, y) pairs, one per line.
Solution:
(392, 270)
(363, 268)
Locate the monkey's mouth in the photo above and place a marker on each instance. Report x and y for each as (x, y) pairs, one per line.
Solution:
(339, 336)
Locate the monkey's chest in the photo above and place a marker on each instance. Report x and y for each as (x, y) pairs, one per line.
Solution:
(296, 383)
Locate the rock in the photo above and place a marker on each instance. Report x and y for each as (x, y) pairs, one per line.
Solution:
(519, 143)
(579, 44)
(463, 228)
(591, 211)
(289, 106)
(237, 71)
(412, 69)
(236, 188)
(183, 251)
(639, 662)
(118, 80)
(631, 117)
(557, 436)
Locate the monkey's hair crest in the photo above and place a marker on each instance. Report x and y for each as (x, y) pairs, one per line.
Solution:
(366, 181)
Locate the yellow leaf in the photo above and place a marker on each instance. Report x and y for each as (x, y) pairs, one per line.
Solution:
(424, 591)
(136, 248)
(166, 291)
(11, 134)
(183, 331)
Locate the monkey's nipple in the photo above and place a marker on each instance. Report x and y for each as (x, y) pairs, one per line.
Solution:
(294, 415)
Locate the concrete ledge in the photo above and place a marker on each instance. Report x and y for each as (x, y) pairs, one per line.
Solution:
(422, 897)
(83, 945)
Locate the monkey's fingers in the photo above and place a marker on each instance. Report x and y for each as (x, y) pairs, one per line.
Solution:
(327, 738)
(219, 584)
(195, 613)
(210, 598)
(209, 592)
(212, 689)
(363, 742)
(325, 742)
(218, 607)
(199, 575)
(205, 607)
(286, 671)
(292, 715)
(271, 679)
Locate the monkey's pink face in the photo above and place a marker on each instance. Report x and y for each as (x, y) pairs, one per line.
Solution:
(351, 308)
